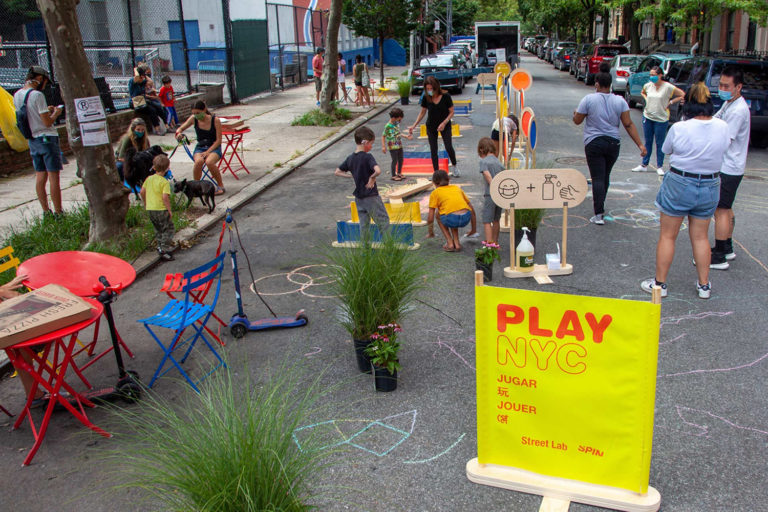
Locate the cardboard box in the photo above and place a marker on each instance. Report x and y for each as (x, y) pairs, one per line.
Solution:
(39, 312)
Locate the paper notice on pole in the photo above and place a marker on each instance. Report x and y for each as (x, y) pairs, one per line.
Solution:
(94, 134)
(89, 109)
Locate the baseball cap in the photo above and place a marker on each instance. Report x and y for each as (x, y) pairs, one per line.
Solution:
(320, 49)
(37, 70)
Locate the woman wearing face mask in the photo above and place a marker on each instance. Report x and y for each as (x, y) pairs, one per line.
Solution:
(658, 95)
(136, 136)
(208, 149)
(437, 105)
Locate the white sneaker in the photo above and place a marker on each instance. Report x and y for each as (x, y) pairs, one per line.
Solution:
(597, 219)
(455, 172)
(660, 171)
(730, 256)
(648, 284)
(640, 168)
(704, 291)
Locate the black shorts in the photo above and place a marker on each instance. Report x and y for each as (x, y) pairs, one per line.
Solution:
(358, 84)
(494, 134)
(728, 186)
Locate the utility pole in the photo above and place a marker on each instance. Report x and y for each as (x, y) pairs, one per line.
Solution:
(449, 22)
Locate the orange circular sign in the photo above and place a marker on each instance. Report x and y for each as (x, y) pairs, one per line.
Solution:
(502, 67)
(521, 79)
(525, 121)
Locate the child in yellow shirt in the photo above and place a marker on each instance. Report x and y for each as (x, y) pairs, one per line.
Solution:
(156, 195)
(454, 211)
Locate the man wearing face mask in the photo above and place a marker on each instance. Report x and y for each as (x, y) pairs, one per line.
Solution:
(44, 144)
(735, 112)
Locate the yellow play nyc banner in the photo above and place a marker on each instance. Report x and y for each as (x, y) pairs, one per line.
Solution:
(566, 385)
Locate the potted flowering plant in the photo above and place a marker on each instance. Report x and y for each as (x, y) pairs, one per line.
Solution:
(382, 352)
(484, 258)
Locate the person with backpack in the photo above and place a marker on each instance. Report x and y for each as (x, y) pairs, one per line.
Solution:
(35, 120)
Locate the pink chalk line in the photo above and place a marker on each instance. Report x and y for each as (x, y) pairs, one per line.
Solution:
(451, 332)
(696, 316)
(705, 429)
(673, 339)
(718, 370)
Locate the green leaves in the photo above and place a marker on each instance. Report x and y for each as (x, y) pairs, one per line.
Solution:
(381, 18)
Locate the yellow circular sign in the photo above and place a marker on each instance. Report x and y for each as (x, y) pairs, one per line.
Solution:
(502, 67)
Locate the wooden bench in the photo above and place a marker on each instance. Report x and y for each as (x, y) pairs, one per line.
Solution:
(291, 70)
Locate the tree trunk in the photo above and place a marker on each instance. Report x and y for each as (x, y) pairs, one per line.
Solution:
(107, 198)
(331, 63)
(606, 25)
(381, 60)
(634, 27)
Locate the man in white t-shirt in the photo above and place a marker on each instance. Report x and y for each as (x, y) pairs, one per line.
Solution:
(735, 112)
(44, 144)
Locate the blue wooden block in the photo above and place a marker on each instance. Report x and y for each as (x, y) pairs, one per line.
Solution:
(350, 232)
(424, 154)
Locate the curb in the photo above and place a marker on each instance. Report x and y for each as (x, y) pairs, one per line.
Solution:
(149, 259)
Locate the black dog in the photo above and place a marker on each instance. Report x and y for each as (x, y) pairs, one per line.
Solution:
(137, 166)
(197, 188)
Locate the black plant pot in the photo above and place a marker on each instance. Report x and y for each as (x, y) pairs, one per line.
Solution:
(531, 236)
(487, 270)
(363, 362)
(404, 100)
(383, 380)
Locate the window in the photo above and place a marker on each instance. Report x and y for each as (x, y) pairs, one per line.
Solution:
(610, 51)
(755, 74)
(685, 71)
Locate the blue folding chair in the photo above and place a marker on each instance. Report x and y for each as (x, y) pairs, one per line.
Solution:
(179, 315)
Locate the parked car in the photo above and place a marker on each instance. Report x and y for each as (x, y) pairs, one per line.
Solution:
(542, 51)
(528, 42)
(577, 54)
(459, 53)
(641, 74)
(537, 41)
(684, 73)
(621, 66)
(465, 48)
(563, 59)
(589, 63)
(559, 47)
(445, 67)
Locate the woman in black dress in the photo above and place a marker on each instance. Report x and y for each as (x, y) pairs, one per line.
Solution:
(437, 105)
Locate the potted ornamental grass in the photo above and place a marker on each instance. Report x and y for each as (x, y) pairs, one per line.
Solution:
(382, 351)
(529, 218)
(376, 284)
(484, 258)
(404, 90)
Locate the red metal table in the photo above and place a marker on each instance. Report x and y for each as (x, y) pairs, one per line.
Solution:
(79, 271)
(233, 140)
(49, 369)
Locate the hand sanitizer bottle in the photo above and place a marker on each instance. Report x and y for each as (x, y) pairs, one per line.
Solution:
(525, 253)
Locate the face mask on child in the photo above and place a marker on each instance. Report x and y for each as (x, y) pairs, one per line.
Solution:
(138, 134)
(200, 116)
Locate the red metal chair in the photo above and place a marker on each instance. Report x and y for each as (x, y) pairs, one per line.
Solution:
(5, 411)
(175, 283)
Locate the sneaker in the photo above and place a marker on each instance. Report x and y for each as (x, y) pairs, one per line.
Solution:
(597, 219)
(660, 171)
(165, 256)
(648, 284)
(640, 168)
(455, 172)
(730, 256)
(718, 261)
(317, 104)
(704, 290)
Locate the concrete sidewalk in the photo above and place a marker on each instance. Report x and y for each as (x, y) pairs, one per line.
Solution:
(272, 145)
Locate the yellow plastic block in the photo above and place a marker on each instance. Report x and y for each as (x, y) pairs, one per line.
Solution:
(399, 213)
(455, 131)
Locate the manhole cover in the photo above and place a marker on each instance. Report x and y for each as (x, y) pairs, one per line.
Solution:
(571, 160)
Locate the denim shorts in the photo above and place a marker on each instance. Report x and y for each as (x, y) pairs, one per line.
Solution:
(203, 149)
(681, 196)
(46, 154)
(456, 220)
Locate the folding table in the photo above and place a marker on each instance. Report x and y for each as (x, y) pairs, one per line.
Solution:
(233, 139)
(49, 370)
(79, 272)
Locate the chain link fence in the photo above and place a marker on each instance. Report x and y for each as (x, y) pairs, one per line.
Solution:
(117, 36)
(294, 34)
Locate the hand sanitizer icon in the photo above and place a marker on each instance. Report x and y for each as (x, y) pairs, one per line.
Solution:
(548, 188)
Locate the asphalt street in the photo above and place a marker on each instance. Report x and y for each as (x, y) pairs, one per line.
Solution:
(411, 446)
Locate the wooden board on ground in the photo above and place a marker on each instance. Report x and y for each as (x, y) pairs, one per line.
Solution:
(400, 192)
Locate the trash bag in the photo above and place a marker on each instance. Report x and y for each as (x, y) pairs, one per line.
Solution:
(8, 123)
